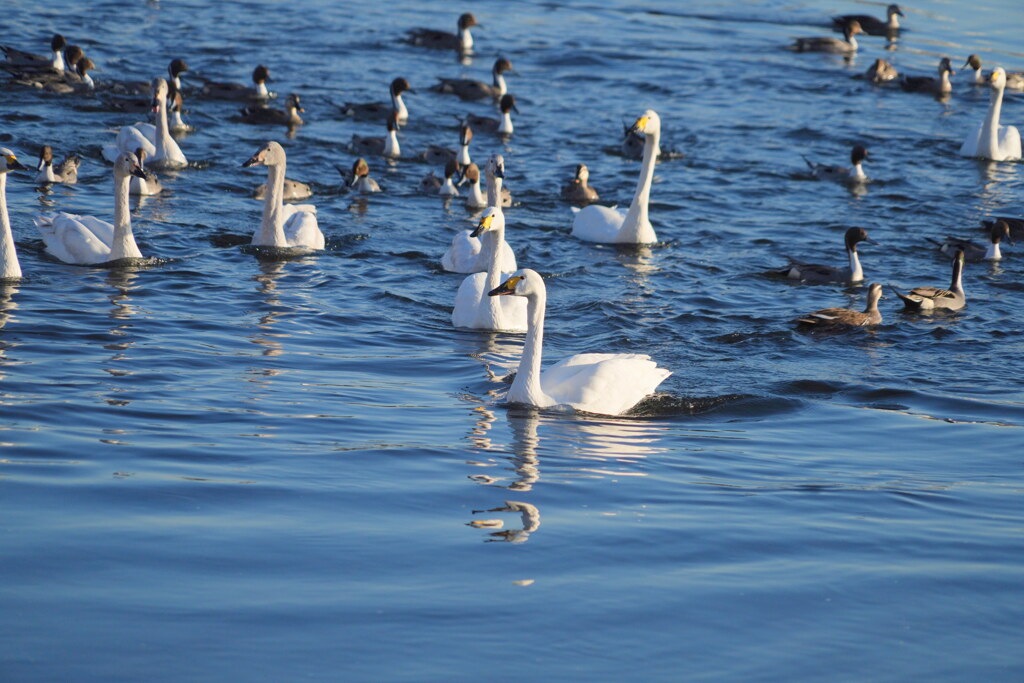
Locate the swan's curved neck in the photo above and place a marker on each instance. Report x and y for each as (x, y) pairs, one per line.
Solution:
(399, 106)
(271, 232)
(494, 191)
(505, 128)
(163, 134)
(9, 266)
(856, 271)
(123, 245)
(391, 148)
(637, 226)
(526, 387)
(494, 240)
(990, 129)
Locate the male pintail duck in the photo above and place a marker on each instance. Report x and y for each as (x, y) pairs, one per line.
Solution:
(927, 299)
(829, 44)
(379, 146)
(65, 172)
(443, 40)
(467, 89)
(289, 116)
(872, 25)
(489, 124)
(816, 273)
(21, 61)
(237, 91)
(930, 84)
(973, 251)
(381, 110)
(842, 174)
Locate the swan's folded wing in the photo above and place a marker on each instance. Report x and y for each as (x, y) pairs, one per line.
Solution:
(475, 309)
(463, 256)
(1009, 142)
(972, 142)
(302, 230)
(469, 300)
(73, 239)
(596, 223)
(130, 138)
(609, 384)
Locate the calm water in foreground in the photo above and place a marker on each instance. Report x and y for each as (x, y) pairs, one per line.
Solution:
(219, 467)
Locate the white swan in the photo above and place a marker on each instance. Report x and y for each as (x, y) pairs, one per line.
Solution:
(597, 223)
(10, 269)
(87, 240)
(464, 255)
(283, 226)
(161, 149)
(990, 140)
(605, 383)
(473, 307)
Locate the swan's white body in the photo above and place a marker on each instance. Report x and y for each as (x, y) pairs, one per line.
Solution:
(991, 140)
(473, 307)
(87, 240)
(465, 253)
(284, 225)
(10, 269)
(161, 149)
(605, 383)
(596, 223)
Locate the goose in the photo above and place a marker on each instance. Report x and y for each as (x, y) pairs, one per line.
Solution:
(502, 126)
(815, 273)
(930, 84)
(871, 25)
(844, 317)
(991, 140)
(289, 116)
(829, 44)
(161, 149)
(465, 255)
(972, 250)
(603, 383)
(881, 72)
(147, 184)
(841, 174)
(477, 90)
(361, 180)
(471, 175)
(577, 190)
(382, 110)
(284, 225)
(473, 307)
(87, 240)
(18, 60)
(596, 223)
(10, 269)
(66, 172)
(237, 91)
(387, 146)
(442, 40)
(1014, 79)
(927, 299)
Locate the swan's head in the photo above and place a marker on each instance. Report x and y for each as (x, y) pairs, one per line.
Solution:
(270, 154)
(467, 20)
(159, 92)
(492, 219)
(858, 154)
(524, 282)
(360, 169)
(1000, 231)
(945, 66)
(894, 9)
(127, 164)
(854, 236)
(582, 173)
(496, 166)
(393, 122)
(399, 86)
(73, 54)
(501, 66)
(293, 102)
(973, 61)
(998, 78)
(465, 134)
(9, 162)
(470, 174)
(649, 123)
(57, 43)
(451, 169)
(45, 157)
(508, 103)
(176, 68)
(260, 74)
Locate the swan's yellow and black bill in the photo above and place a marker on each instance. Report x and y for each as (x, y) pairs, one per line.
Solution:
(13, 164)
(485, 224)
(506, 287)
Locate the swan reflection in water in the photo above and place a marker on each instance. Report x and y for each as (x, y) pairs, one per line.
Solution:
(524, 460)
(265, 337)
(7, 306)
(529, 517)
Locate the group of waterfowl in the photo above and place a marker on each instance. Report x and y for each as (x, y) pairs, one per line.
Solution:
(495, 295)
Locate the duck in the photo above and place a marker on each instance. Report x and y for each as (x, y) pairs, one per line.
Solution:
(161, 149)
(502, 126)
(602, 383)
(66, 172)
(930, 84)
(471, 175)
(473, 307)
(87, 240)
(147, 184)
(596, 223)
(1015, 225)
(238, 91)
(10, 269)
(465, 255)
(577, 190)
(462, 40)
(467, 89)
(465, 137)
(361, 181)
(430, 184)
(382, 110)
(292, 190)
(1014, 79)
(871, 25)
(841, 174)
(175, 68)
(928, 299)
(289, 116)
(815, 273)
(845, 317)
(448, 189)
(991, 140)
(881, 72)
(72, 79)
(18, 60)
(284, 226)
(973, 251)
(829, 44)
(387, 146)
(175, 105)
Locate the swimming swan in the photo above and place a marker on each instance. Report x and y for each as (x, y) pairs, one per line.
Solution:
(87, 240)
(161, 149)
(990, 140)
(473, 307)
(10, 269)
(604, 383)
(283, 226)
(597, 223)
(465, 253)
